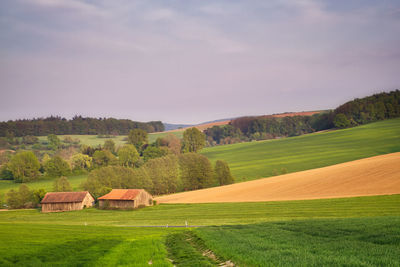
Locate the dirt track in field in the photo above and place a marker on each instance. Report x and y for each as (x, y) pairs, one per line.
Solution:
(378, 175)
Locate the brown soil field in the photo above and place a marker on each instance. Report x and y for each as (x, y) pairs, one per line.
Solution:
(378, 175)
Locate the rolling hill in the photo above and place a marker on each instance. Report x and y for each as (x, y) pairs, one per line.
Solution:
(378, 175)
(254, 160)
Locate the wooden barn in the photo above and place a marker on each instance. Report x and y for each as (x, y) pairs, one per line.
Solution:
(126, 199)
(66, 201)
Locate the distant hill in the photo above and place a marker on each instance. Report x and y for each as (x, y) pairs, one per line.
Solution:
(171, 126)
(253, 160)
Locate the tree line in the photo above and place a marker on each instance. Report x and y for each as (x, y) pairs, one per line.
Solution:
(165, 166)
(356, 112)
(77, 125)
(164, 175)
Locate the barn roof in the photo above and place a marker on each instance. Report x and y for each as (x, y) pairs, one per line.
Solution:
(64, 197)
(122, 194)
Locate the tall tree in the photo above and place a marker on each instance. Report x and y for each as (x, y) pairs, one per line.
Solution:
(341, 121)
(152, 152)
(223, 173)
(56, 167)
(81, 161)
(109, 145)
(103, 158)
(54, 141)
(62, 185)
(24, 166)
(193, 140)
(128, 156)
(138, 138)
(164, 173)
(196, 171)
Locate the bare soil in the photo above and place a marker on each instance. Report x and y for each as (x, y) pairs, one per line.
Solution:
(378, 175)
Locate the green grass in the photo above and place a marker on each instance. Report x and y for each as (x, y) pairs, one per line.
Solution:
(217, 213)
(153, 136)
(47, 184)
(255, 160)
(308, 231)
(184, 251)
(335, 242)
(50, 245)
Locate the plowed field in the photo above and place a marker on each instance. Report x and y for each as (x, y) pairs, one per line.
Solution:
(378, 175)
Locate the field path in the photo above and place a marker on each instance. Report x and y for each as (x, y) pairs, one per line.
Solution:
(378, 175)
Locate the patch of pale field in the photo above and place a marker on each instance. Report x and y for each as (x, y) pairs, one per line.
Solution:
(378, 175)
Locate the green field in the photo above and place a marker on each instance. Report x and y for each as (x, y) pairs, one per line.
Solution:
(348, 231)
(217, 213)
(337, 242)
(93, 140)
(47, 184)
(249, 161)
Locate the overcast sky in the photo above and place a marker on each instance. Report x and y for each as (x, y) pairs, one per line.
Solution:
(193, 61)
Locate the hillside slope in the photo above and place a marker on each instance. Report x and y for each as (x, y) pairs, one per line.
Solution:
(253, 160)
(378, 175)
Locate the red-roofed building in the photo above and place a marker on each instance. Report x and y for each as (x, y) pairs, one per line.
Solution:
(66, 201)
(126, 199)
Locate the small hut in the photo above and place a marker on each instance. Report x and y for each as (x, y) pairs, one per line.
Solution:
(125, 199)
(66, 201)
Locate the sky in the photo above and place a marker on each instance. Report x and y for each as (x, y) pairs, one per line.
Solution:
(193, 61)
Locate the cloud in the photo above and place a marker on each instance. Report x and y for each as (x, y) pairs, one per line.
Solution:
(73, 5)
(161, 59)
(159, 14)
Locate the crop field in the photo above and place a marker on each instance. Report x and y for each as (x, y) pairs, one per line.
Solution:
(62, 245)
(249, 161)
(312, 231)
(337, 242)
(378, 175)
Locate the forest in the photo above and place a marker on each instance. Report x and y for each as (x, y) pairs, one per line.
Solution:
(356, 112)
(77, 125)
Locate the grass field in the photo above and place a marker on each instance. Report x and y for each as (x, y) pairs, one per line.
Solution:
(216, 214)
(249, 161)
(93, 140)
(350, 231)
(61, 245)
(337, 242)
(6, 185)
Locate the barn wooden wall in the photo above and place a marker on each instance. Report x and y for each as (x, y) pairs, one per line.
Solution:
(49, 207)
(143, 199)
(52, 207)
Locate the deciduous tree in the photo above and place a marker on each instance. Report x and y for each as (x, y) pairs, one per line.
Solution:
(56, 167)
(196, 171)
(223, 173)
(24, 166)
(138, 138)
(128, 156)
(62, 185)
(193, 140)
